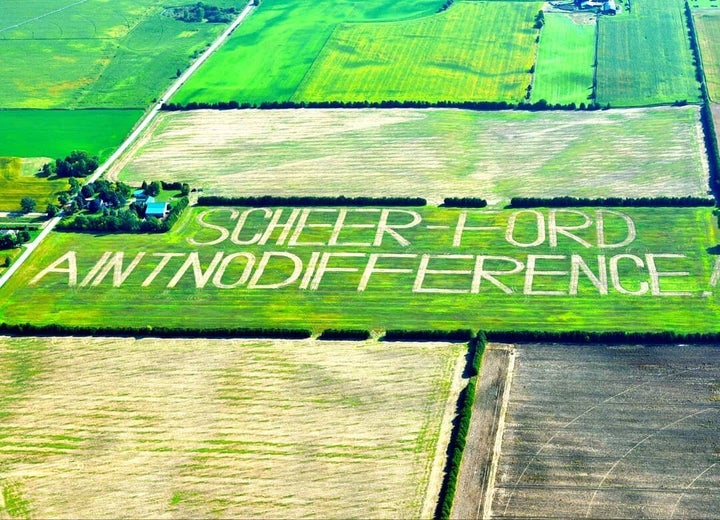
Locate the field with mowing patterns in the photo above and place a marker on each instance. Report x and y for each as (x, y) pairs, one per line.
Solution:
(374, 268)
(627, 431)
(270, 53)
(223, 428)
(479, 51)
(94, 53)
(707, 24)
(56, 133)
(566, 54)
(18, 179)
(644, 57)
(428, 153)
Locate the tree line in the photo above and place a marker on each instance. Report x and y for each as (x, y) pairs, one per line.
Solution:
(541, 105)
(458, 436)
(29, 329)
(628, 202)
(464, 202)
(296, 201)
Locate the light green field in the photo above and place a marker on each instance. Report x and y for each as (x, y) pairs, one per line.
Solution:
(94, 53)
(476, 51)
(566, 54)
(707, 25)
(270, 53)
(222, 428)
(644, 56)
(157, 290)
(56, 133)
(704, 4)
(18, 179)
(426, 153)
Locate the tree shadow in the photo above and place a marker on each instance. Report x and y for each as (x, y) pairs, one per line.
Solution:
(714, 250)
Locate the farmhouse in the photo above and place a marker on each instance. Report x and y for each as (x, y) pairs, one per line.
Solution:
(156, 209)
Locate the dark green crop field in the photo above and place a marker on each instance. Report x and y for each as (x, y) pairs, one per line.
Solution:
(56, 133)
(644, 57)
(383, 268)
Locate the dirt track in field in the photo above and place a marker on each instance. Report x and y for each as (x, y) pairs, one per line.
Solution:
(476, 477)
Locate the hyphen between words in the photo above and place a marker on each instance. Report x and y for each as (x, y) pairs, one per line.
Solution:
(328, 228)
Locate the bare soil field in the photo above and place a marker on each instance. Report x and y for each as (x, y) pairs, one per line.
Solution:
(598, 431)
(431, 153)
(476, 477)
(103, 427)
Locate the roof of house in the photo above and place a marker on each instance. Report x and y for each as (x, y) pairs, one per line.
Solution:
(156, 208)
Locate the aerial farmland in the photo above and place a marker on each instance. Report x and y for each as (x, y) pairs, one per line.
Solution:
(284, 259)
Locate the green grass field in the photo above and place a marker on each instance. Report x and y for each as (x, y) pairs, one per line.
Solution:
(707, 25)
(18, 179)
(56, 133)
(93, 53)
(270, 53)
(156, 290)
(323, 51)
(644, 57)
(233, 429)
(472, 51)
(566, 54)
(428, 153)
(704, 4)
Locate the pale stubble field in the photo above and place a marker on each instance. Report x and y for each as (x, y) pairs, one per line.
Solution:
(107, 427)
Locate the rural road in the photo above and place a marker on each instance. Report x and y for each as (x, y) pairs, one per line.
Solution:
(29, 248)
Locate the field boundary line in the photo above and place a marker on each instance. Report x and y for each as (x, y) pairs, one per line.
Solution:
(486, 502)
(135, 133)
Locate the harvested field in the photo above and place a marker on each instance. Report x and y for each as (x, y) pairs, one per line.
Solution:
(611, 432)
(430, 153)
(220, 428)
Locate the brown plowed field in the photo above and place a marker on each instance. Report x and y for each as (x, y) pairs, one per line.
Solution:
(611, 432)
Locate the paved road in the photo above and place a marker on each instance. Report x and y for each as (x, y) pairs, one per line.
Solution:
(29, 248)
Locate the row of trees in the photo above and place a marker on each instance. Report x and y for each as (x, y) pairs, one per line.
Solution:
(540, 105)
(464, 202)
(341, 200)
(458, 436)
(29, 329)
(628, 202)
(201, 12)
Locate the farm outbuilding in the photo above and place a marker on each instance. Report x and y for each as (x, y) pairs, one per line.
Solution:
(157, 209)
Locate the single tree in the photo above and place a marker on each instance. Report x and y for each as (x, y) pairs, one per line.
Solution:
(28, 204)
